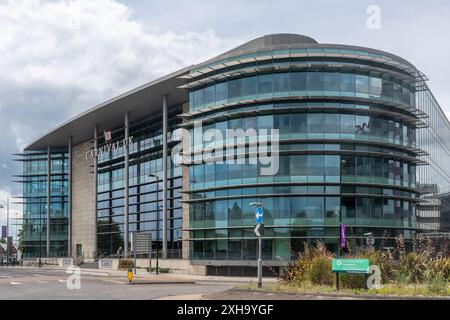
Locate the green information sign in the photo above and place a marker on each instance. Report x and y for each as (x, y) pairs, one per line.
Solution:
(350, 265)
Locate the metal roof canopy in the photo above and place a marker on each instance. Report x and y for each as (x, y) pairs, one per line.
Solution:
(140, 102)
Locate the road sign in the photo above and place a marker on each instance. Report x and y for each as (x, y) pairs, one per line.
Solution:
(259, 215)
(350, 265)
(259, 230)
(140, 242)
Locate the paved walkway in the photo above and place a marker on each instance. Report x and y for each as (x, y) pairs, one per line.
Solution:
(144, 277)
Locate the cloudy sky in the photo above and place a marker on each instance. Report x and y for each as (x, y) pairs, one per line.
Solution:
(58, 58)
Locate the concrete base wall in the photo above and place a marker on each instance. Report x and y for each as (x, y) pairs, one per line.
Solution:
(175, 265)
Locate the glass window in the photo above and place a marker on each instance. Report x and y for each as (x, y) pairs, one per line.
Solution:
(281, 82)
(332, 207)
(332, 167)
(314, 81)
(298, 123)
(348, 165)
(362, 125)
(315, 207)
(362, 84)
(210, 93)
(249, 86)
(387, 88)
(315, 165)
(298, 81)
(397, 92)
(298, 207)
(299, 165)
(315, 123)
(347, 82)
(348, 207)
(234, 88)
(199, 98)
(347, 124)
(330, 81)
(265, 84)
(375, 86)
(331, 123)
(221, 92)
(363, 166)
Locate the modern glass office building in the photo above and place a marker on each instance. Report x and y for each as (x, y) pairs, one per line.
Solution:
(362, 142)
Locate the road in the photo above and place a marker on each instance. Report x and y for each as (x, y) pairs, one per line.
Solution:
(51, 285)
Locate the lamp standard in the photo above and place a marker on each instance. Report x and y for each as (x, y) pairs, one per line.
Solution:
(258, 205)
(341, 165)
(40, 233)
(157, 221)
(2, 206)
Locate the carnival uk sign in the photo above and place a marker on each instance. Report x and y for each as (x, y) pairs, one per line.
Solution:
(113, 146)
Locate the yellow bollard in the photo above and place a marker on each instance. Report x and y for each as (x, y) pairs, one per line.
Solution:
(130, 274)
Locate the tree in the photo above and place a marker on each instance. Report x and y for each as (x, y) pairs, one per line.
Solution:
(20, 238)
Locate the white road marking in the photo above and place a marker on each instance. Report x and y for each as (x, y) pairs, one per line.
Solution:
(39, 281)
(61, 280)
(15, 283)
(5, 276)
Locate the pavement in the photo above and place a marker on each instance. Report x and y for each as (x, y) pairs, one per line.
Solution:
(52, 284)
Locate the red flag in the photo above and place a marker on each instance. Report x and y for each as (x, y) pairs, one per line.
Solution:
(107, 135)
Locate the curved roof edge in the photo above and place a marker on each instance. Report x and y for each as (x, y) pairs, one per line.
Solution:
(284, 41)
(141, 101)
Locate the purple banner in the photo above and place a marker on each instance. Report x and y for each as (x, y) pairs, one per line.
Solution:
(342, 235)
(4, 233)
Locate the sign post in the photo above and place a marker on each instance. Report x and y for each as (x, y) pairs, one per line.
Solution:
(350, 265)
(141, 242)
(259, 232)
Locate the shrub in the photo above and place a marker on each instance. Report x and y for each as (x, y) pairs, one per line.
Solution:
(161, 270)
(439, 268)
(320, 271)
(353, 281)
(413, 266)
(126, 263)
(438, 286)
(297, 271)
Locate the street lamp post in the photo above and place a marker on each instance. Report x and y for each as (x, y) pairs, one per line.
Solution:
(341, 164)
(40, 233)
(7, 229)
(157, 221)
(259, 205)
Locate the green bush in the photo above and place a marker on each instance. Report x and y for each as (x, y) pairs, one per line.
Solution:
(126, 263)
(161, 270)
(320, 271)
(297, 271)
(438, 286)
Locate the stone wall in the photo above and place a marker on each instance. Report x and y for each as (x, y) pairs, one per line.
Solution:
(83, 218)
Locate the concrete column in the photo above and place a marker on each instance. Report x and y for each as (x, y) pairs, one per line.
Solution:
(69, 200)
(164, 159)
(48, 201)
(126, 185)
(95, 190)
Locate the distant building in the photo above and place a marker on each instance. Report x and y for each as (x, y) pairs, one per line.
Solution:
(13, 252)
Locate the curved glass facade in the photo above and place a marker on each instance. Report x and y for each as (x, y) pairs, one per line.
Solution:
(347, 154)
(311, 83)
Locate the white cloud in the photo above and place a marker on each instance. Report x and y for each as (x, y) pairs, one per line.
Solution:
(58, 58)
